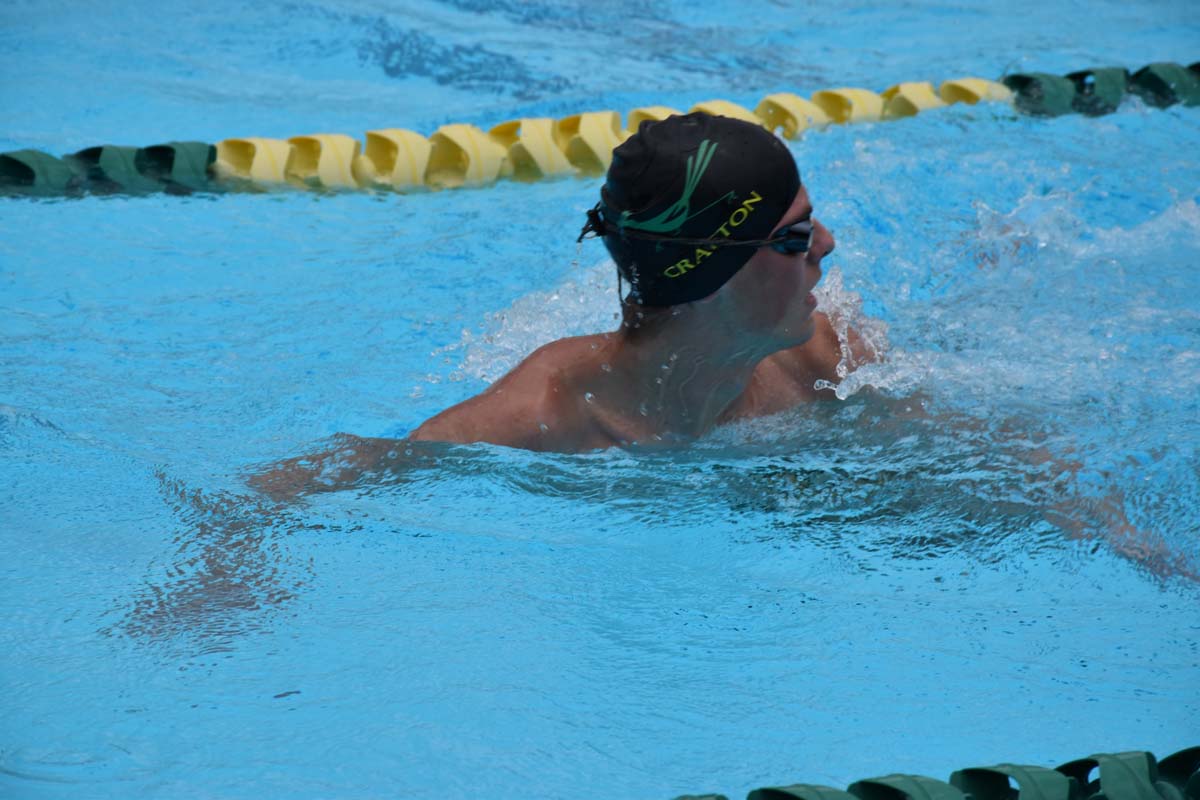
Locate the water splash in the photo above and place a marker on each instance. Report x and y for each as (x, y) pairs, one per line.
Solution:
(585, 303)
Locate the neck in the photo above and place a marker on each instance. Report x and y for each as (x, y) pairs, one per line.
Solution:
(676, 378)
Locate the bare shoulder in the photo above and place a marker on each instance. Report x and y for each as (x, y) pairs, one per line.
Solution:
(532, 407)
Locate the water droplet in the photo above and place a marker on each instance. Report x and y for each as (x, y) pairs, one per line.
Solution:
(606, 367)
(408, 451)
(391, 454)
(645, 412)
(543, 427)
(589, 396)
(658, 381)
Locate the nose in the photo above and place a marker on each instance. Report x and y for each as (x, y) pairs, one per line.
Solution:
(823, 241)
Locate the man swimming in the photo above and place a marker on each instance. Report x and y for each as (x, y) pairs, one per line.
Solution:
(708, 222)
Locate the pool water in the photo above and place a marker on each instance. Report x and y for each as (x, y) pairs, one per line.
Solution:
(839, 591)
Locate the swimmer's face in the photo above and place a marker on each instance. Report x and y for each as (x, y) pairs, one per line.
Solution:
(775, 289)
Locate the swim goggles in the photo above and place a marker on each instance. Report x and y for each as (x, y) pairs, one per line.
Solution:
(791, 240)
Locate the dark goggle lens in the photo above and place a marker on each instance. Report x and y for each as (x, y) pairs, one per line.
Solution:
(793, 239)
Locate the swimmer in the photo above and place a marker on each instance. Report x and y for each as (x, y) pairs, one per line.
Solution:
(709, 224)
(712, 229)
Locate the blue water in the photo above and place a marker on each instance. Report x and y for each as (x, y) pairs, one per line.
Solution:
(835, 592)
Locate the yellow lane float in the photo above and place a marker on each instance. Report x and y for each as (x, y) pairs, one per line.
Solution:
(908, 99)
(463, 155)
(255, 159)
(975, 90)
(394, 158)
(588, 139)
(322, 161)
(652, 113)
(724, 108)
(792, 113)
(850, 105)
(532, 153)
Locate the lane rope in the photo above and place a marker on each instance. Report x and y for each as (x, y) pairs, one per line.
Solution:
(530, 149)
(1103, 776)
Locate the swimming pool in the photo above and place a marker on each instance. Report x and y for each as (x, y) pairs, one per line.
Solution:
(823, 595)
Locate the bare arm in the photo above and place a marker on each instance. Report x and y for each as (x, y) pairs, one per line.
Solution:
(336, 466)
(1070, 509)
(524, 409)
(1064, 501)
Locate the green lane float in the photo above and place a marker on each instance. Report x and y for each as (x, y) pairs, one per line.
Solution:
(1041, 94)
(800, 791)
(112, 169)
(994, 783)
(179, 166)
(1122, 775)
(899, 787)
(1118, 776)
(1166, 84)
(1099, 91)
(1182, 770)
(530, 149)
(35, 173)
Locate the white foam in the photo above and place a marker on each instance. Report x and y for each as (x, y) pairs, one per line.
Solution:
(584, 303)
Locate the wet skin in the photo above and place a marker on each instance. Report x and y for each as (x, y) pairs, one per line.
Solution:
(756, 346)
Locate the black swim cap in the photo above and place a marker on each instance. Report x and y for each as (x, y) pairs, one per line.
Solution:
(697, 177)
